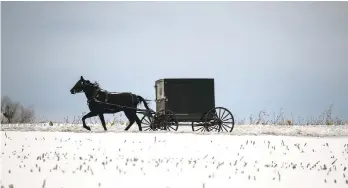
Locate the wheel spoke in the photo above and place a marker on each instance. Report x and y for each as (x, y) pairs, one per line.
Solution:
(171, 127)
(214, 127)
(225, 117)
(226, 125)
(224, 128)
(146, 119)
(228, 121)
(222, 115)
(147, 123)
(146, 128)
(201, 128)
(215, 116)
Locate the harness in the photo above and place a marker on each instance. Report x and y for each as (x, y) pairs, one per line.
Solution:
(107, 95)
(106, 100)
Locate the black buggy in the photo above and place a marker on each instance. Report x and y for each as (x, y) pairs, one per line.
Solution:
(190, 102)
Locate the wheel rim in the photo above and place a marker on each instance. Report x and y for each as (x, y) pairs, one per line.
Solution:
(221, 120)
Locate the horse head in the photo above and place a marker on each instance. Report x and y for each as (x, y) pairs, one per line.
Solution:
(79, 86)
(86, 86)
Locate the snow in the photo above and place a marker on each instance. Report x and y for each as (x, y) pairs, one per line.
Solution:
(293, 130)
(250, 156)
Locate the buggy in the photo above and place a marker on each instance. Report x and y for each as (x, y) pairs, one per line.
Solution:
(187, 102)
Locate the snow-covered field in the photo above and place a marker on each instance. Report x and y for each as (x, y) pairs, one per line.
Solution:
(251, 156)
(256, 130)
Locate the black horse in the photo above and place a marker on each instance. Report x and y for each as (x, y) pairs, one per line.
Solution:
(101, 102)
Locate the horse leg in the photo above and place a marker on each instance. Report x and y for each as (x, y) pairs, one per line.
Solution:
(90, 114)
(130, 124)
(137, 120)
(130, 118)
(101, 116)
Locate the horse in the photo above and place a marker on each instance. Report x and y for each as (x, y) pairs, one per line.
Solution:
(102, 102)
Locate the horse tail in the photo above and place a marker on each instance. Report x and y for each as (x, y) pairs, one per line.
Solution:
(145, 102)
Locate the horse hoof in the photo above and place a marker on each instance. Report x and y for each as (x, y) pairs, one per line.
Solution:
(88, 128)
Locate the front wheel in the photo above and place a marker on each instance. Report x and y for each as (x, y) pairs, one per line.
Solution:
(165, 120)
(146, 123)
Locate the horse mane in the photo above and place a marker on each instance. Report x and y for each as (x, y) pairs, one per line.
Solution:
(95, 84)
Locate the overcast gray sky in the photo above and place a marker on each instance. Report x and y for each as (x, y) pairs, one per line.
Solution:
(263, 55)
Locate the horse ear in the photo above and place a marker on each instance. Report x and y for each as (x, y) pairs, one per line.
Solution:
(82, 78)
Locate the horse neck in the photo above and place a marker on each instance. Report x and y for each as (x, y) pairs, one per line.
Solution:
(90, 92)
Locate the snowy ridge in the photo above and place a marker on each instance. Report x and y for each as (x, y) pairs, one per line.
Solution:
(240, 130)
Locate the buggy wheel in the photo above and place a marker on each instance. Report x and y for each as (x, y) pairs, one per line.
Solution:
(165, 120)
(146, 123)
(200, 126)
(219, 119)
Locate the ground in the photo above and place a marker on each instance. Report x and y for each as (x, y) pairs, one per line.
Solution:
(251, 156)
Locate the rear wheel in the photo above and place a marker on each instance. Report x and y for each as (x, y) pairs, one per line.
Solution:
(219, 119)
